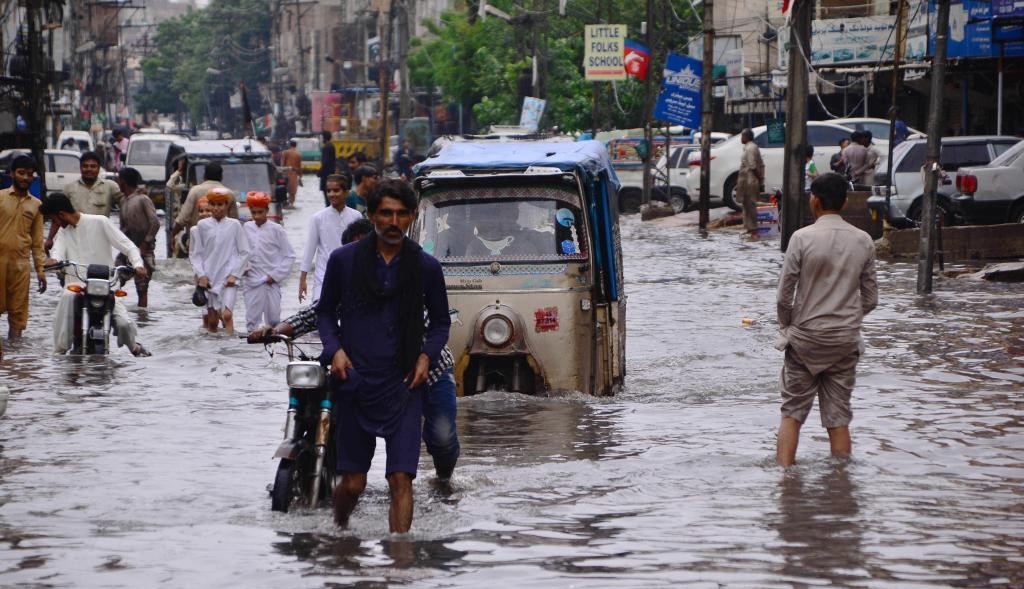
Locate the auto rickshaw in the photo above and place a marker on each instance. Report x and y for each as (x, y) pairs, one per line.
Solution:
(527, 233)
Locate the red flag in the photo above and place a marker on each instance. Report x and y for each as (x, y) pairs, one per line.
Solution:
(785, 6)
(635, 58)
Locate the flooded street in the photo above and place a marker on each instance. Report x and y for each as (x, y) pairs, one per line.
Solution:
(125, 472)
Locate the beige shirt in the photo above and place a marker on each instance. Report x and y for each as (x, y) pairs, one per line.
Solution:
(97, 199)
(139, 221)
(828, 279)
(751, 164)
(188, 216)
(21, 228)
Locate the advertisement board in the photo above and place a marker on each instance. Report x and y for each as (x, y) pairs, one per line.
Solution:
(679, 101)
(846, 41)
(604, 48)
(970, 31)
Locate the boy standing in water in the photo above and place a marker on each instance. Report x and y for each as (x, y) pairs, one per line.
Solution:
(826, 288)
(219, 251)
(271, 261)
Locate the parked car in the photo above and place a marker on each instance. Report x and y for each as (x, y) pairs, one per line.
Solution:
(993, 193)
(629, 168)
(83, 140)
(726, 157)
(62, 167)
(908, 183)
(879, 127)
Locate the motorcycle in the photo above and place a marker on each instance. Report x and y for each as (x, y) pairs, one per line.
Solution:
(305, 473)
(94, 303)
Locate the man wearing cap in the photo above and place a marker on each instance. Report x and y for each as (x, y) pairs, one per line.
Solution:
(140, 223)
(270, 262)
(88, 239)
(188, 216)
(21, 232)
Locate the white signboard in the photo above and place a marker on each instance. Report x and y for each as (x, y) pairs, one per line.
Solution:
(533, 110)
(603, 52)
(734, 74)
(846, 41)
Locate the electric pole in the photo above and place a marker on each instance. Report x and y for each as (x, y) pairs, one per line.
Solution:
(796, 119)
(901, 39)
(384, 14)
(707, 115)
(35, 92)
(648, 135)
(926, 250)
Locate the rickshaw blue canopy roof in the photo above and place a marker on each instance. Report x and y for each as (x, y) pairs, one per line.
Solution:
(590, 157)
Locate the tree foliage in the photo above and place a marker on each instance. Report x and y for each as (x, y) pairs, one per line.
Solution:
(486, 64)
(228, 36)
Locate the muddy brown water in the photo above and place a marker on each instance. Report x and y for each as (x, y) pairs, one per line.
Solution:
(118, 472)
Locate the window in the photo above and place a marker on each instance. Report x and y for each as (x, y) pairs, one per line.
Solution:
(957, 155)
(761, 141)
(145, 152)
(1002, 146)
(66, 164)
(825, 136)
(913, 161)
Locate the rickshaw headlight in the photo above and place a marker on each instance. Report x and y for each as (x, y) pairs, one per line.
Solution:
(305, 375)
(497, 331)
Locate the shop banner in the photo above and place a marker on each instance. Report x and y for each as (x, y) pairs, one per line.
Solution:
(679, 101)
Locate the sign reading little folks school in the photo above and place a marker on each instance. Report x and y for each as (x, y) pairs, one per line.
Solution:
(604, 46)
(679, 100)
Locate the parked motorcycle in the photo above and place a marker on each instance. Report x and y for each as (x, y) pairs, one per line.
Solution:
(305, 473)
(94, 303)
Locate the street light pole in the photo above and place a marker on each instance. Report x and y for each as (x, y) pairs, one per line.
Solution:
(796, 119)
(707, 116)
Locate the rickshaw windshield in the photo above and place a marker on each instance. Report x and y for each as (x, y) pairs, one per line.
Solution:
(524, 223)
(242, 177)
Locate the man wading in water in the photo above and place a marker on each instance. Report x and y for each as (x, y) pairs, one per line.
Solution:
(381, 352)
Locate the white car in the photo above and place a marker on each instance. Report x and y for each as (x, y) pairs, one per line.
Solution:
(879, 127)
(82, 139)
(993, 193)
(725, 159)
(147, 153)
(908, 183)
(62, 166)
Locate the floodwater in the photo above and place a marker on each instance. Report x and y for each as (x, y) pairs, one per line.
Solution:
(124, 472)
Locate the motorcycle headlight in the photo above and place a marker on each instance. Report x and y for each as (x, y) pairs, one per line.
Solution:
(305, 375)
(497, 331)
(97, 287)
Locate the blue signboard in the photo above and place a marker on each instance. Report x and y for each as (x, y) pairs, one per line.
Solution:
(970, 30)
(1008, 8)
(679, 101)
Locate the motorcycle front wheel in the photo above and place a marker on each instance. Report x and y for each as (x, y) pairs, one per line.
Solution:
(286, 486)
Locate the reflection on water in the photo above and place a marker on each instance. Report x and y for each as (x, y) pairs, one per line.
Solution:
(123, 472)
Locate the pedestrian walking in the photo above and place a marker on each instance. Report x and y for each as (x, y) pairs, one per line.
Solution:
(324, 236)
(21, 235)
(837, 162)
(188, 216)
(370, 317)
(810, 168)
(826, 287)
(856, 156)
(750, 180)
(89, 239)
(328, 163)
(219, 253)
(365, 177)
(270, 262)
(291, 159)
(902, 130)
(119, 146)
(140, 223)
(867, 177)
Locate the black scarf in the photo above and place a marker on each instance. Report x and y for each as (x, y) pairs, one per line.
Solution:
(409, 290)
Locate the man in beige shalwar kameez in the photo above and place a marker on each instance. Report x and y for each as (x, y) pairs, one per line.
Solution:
(826, 288)
(749, 181)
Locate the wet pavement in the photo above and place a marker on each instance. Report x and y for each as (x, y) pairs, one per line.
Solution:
(124, 472)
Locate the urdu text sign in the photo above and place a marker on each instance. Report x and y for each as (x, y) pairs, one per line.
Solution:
(604, 47)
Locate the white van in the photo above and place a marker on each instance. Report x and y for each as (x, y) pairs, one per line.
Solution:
(147, 153)
(82, 140)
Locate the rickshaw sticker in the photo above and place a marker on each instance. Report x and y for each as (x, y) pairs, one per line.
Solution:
(442, 223)
(565, 217)
(568, 247)
(546, 319)
(428, 246)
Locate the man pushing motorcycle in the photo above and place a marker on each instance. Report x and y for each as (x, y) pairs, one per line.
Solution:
(88, 239)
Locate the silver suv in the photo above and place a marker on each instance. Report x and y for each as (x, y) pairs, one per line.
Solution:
(908, 183)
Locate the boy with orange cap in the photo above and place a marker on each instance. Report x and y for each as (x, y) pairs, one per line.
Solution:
(219, 251)
(269, 263)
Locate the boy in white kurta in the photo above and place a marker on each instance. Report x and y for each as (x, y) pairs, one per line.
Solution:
(324, 235)
(219, 253)
(269, 264)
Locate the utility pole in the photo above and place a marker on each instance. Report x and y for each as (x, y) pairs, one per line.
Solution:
(405, 110)
(901, 39)
(707, 115)
(35, 92)
(648, 135)
(796, 119)
(926, 249)
(383, 74)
